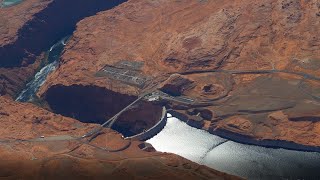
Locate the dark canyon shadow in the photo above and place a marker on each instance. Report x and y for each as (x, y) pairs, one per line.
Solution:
(91, 104)
(58, 20)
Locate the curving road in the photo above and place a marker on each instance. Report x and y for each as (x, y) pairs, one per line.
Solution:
(189, 101)
(156, 93)
(305, 75)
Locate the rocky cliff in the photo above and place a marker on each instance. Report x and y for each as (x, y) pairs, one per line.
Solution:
(247, 70)
(38, 144)
(140, 44)
(30, 28)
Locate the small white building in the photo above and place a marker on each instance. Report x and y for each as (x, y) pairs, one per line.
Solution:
(153, 98)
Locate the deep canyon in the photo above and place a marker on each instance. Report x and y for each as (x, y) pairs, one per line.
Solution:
(245, 71)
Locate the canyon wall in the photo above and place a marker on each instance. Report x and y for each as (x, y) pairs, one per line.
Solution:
(38, 144)
(180, 37)
(31, 28)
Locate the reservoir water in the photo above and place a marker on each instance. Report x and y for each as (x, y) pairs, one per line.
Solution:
(248, 161)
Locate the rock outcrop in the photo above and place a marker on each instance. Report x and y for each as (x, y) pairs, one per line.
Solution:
(240, 68)
(37, 144)
(31, 28)
(162, 38)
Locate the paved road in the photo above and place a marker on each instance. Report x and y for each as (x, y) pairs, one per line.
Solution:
(113, 119)
(304, 75)
(181, 99)
(189, 101)
(154, 93)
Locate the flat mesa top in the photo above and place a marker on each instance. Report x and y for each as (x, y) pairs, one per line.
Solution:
(133, 65)
(9, 3)
(125, 71)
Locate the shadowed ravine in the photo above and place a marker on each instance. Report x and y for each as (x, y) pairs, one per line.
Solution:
(88, 103)
(235, 111)
(52, 60)
(47, 27)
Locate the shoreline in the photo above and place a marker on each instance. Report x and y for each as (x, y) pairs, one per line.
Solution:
(244, 139)
(274, 144)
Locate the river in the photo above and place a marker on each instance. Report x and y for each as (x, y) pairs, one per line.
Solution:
(247, 161)
(54, 53)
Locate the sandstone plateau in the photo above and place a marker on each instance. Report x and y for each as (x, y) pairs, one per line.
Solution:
(29, 29)
(178, 38)
(245, 70)
(37, 144)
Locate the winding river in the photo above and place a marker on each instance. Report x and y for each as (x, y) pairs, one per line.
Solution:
(247, 161)
(53, 55)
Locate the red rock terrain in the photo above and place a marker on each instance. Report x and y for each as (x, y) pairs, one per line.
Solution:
(30, 28)
(39, 144)
(12, 20)
(142, 46)
(170, 37)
